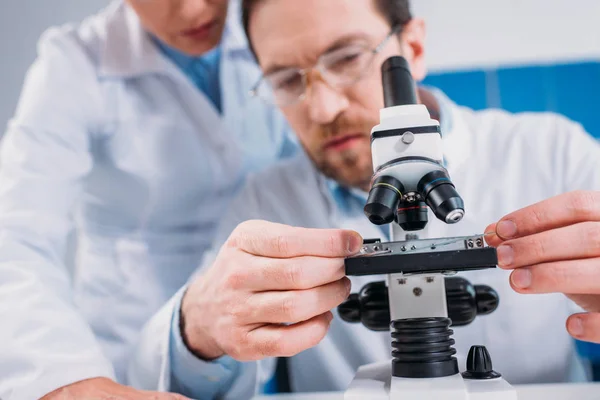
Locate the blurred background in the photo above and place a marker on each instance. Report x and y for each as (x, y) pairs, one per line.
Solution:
(518, 55)
(21, 24)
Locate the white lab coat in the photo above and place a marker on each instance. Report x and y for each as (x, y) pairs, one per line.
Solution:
(499, 162)
(109, 130)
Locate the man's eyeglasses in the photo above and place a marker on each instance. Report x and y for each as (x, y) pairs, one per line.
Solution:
(339, 68)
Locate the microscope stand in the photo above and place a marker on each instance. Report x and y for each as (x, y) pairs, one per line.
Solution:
(375, 382)
(412, 351)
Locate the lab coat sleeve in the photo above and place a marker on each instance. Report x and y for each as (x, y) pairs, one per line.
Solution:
(580, 156)
(163, 362)
(44, 342)
(577, 163)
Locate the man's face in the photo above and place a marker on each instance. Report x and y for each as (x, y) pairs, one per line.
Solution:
(332, 123)
(190, 26)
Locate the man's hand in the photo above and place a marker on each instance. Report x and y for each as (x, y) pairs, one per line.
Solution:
(105, 389)
(269, 292)
(554, 246)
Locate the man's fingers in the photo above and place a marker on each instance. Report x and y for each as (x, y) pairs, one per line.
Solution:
(296, 305)
(589, 302)
(288, 340)
(131, 394)
(572, 242)
(264, 274)
(566, 209)
(104, 389)
(585, 326)
(569, 277)
(268, 239)
(491, 237)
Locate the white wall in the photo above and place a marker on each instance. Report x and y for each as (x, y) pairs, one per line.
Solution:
(21, 23)
(489, 33)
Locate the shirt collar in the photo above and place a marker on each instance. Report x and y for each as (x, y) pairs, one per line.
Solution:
(344, 196)
(128, 50)
(209, 61)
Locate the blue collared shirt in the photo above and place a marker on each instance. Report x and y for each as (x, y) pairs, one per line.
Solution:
(203, 70)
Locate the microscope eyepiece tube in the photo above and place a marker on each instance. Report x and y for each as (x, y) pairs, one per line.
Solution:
(441, 196)
(407, 156)
(398, 84)
(382, 203)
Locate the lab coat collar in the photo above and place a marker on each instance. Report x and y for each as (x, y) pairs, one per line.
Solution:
(129, 51)
(457, 141)
(456, 135)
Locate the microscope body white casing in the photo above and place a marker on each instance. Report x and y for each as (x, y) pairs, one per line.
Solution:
(419, 153)
(408, 157)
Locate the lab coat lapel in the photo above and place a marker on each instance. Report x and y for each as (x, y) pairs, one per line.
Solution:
(457, 143)
(214, 128)
(130, 52)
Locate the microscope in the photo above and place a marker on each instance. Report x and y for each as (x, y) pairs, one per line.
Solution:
(420, 300)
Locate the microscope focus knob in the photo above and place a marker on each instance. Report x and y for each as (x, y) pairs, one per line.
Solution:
(349, 310)
(465, 301)
(479, 364)
(370, 306)
(487, 299)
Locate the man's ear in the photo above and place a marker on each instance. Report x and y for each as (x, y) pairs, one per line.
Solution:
(413, 47)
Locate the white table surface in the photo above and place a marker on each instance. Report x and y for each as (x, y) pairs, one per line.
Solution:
(576, 391)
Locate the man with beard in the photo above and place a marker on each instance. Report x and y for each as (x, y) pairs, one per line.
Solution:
(268, 292)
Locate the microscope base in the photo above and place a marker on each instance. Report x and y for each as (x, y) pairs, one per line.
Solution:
(375, 382)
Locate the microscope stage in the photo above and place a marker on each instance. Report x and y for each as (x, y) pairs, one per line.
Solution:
(444, 255)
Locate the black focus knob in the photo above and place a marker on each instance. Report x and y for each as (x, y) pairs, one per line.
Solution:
(479, 364)
(370, 306)
(465, 301)
(375, 306)
(487, 299)
(349, 310)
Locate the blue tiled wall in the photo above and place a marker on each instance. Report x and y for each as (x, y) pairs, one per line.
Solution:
(569, 89)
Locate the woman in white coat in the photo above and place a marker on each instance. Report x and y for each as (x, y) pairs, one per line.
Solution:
(135, 129)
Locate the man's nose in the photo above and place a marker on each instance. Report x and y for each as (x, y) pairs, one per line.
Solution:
(324, 102)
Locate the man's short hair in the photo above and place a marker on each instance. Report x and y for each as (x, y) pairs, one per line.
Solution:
(397, 13)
